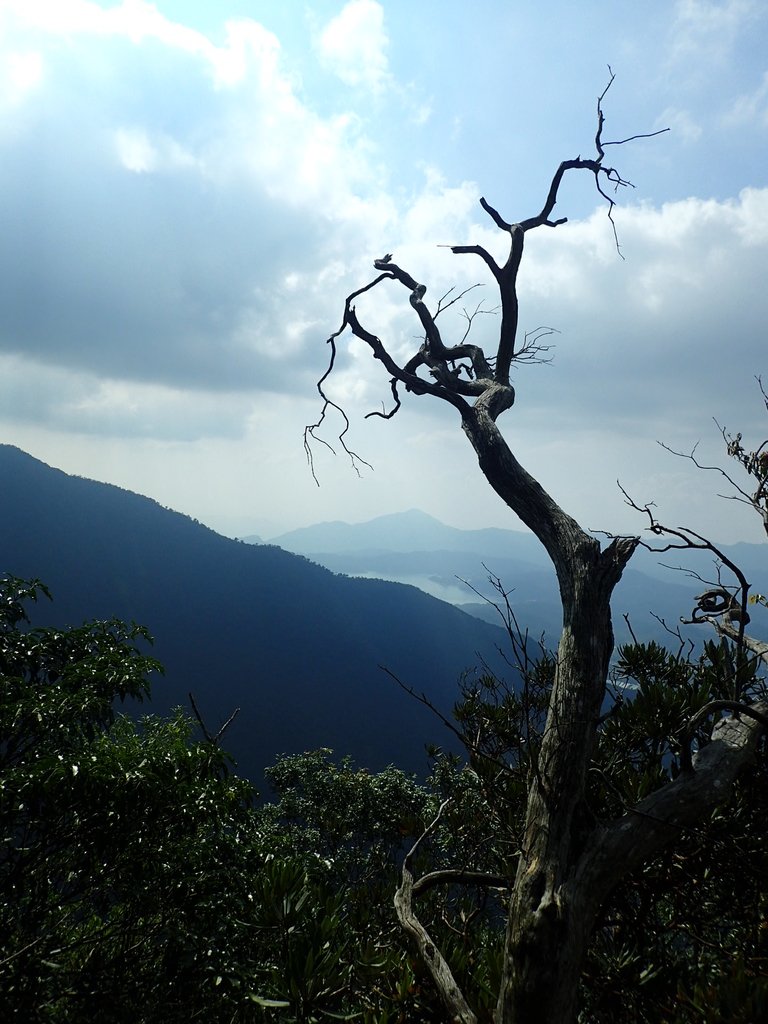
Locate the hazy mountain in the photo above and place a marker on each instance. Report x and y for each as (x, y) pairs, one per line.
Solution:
(406, 532)
(454, 565)
(295, 646)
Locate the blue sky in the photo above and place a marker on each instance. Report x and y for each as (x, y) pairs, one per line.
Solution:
(189, 191)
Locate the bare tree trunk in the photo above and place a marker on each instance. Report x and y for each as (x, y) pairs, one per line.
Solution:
(551, 914)
(543, 958)
(550, 917)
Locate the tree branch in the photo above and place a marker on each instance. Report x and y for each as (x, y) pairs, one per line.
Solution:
(687, 539)
(456, 876)
(737, 707)
(210, 738)
(621, 846)
(450, 993)
(506, 276)
(310, 431)
(756, 647)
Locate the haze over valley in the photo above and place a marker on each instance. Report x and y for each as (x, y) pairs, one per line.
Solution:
(289, 631)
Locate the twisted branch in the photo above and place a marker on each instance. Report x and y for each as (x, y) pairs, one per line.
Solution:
(461, 372)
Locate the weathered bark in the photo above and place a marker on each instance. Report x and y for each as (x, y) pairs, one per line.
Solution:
(548, 928)
(453, 998)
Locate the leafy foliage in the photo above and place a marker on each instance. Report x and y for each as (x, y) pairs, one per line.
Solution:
(138, 881)
(687, 933)
(119, 838)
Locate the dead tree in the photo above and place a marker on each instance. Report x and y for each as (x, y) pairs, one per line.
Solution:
(568, 864)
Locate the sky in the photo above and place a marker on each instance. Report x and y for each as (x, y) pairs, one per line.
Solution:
(189, 190)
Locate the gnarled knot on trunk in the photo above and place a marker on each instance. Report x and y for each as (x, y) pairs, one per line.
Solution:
(418, 293)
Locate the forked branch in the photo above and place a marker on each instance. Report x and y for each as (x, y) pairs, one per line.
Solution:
(452, 996)
(723, 609)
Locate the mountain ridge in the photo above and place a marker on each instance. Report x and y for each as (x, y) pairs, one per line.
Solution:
(442, 560)
(403, 532)
(297, 647)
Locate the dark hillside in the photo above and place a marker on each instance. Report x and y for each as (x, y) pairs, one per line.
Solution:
(295, 646)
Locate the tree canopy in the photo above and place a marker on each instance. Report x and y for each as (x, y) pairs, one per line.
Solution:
(140, 881)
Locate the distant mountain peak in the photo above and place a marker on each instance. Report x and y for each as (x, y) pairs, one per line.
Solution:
(415, 515)
(412, 530)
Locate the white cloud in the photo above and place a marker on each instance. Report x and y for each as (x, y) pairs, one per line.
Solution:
(83, 403)
(187, 219)
(251, 51)
(249, 47)
(191, 195)
(677, 328)
(353, 45)
(140, 153)
(135, 151)
(21, 73)
(119, 409)
(132, 19)
(685, 239)
(707, 29)
(681, 122)
(751, 216)
(440, 210)
(751, 109)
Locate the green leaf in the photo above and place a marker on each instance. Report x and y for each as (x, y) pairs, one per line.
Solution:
(276, 1004)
